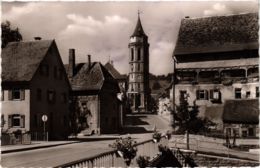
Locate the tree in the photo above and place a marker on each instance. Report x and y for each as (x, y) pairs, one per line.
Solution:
(9, 34)
(187, 116)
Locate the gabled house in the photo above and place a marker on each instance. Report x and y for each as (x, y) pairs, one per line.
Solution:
(95, 92)
(216, 60)
(34, 83)
(122, 83)
(241, 117)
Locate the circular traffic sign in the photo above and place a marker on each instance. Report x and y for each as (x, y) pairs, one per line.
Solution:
(44, 118)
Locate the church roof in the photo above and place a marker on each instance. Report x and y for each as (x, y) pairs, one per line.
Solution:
(139, 31)
(217, 34)
(20, 60)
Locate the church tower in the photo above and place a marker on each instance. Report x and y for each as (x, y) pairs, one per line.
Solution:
(138, 89)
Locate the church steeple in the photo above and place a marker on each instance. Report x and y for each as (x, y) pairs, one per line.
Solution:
(139, 32)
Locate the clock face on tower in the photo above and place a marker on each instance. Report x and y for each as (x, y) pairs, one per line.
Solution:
(136, 39)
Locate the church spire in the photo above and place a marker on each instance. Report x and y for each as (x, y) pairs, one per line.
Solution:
(138, 29)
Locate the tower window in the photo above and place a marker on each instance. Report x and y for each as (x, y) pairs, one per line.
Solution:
(257, 92)
(138, 54)
(132, 54)
(138, 67)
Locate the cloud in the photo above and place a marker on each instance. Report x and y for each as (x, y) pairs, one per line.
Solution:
(217, 9)
(160, 58)
(103, 29)
(90, 26)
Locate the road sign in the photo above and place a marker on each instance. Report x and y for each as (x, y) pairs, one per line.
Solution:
(44, 118)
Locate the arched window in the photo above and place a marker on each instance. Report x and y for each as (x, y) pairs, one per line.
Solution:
(138, 54)
(132, 54)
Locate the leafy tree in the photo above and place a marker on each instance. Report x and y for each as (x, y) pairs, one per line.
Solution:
(188, 119)
(9, 34)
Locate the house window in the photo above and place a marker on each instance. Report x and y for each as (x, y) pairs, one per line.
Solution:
(132, 54)
(51, 96)
(2, 121)
(138, 54)
(248, 94)
(16, 94)
(237, 93)
(215, 94)
(202, 94)
(257, 92)
(44, 70)
(183, 94)
(55, 72)
(39, 94)
(16, 120)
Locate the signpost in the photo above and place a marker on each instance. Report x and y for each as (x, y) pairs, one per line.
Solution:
(44, 119)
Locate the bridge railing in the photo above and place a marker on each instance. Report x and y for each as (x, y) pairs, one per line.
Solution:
(111, 158)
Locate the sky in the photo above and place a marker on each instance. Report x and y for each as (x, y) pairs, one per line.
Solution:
(103, 29)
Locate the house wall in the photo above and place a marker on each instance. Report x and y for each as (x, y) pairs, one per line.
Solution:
(57, 111)
(91, 104)
(227, 92)
(21, 107)
(109, 108)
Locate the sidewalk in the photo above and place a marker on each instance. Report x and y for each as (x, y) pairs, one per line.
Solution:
(33, 145)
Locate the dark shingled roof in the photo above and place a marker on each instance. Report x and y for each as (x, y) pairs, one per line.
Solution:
(114, 72)
(91, 78)
(217, 34)
(139, 31)
(20, 60)
(241, 111)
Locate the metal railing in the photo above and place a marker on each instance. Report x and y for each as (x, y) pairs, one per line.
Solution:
(111, 158)
(210, 145)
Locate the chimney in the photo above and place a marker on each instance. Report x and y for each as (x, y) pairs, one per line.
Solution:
(37, 38)
(89, 62)
(71, 63)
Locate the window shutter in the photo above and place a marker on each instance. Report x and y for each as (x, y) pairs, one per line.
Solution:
(9, 121)
(22, 121)
(211, 94)
(22, 94)
(198, 94)
(9, 94)
(206, 95)
(219, 95)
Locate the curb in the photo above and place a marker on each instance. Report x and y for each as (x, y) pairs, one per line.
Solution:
(35, 147)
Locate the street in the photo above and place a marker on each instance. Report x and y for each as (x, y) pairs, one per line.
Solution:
(54, 156)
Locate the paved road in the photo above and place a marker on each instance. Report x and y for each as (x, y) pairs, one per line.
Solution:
(54, 156)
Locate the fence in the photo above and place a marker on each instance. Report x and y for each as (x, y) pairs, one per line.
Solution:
(39, 136)
(111, 158)
(11, 139)
(210, 145)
